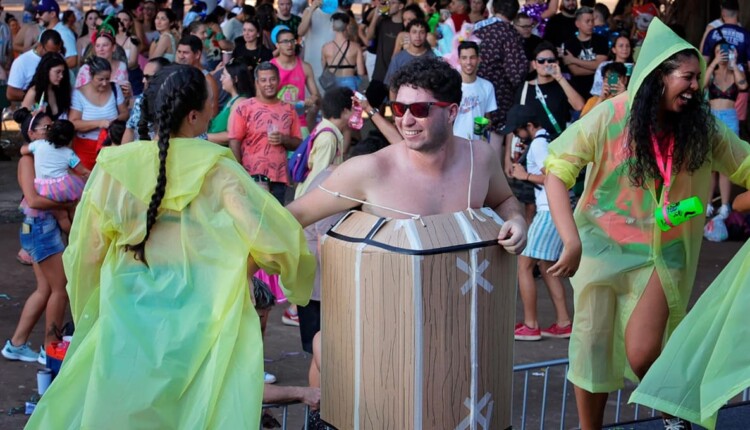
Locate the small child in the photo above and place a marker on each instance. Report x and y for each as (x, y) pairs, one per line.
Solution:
(114, 133)
(544, 243)
(52, 161)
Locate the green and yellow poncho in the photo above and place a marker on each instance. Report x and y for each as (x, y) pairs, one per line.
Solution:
(622, 245)
(707, 360)
(175, 344)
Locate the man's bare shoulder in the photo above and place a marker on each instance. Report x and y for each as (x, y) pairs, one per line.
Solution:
(370, 164)
(481, 150)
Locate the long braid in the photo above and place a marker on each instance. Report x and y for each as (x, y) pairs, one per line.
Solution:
(181, 91)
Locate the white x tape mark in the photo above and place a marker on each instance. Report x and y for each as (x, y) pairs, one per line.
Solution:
(464, 267)
(475, 414)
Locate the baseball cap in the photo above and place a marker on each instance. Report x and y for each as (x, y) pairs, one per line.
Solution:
(48, 6)
(518, 116)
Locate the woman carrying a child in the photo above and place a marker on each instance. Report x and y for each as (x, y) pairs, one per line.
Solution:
(41, 237)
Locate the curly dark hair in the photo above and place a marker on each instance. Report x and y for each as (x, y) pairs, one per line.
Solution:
(61, 133)
(41, 82)
(431, 74)
(692, 128)
(175, 91)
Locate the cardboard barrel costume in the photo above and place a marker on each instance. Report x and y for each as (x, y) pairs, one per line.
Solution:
(417, 320)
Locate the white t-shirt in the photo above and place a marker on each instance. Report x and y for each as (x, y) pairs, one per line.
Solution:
(534, 164)
(92, 112)
(478, 99)
(22, 70)
(51, 162)
(232, 29)
(68, 38)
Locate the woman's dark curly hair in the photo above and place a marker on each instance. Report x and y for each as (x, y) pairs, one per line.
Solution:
(174, 92)
(692, 128)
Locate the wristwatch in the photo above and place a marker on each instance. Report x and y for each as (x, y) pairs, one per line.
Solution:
(372, 112)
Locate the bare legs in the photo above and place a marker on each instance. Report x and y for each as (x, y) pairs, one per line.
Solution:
(643, 339)
(32, 309)
(556, 292)
(314, 374)
(527, 288)
(52, 269)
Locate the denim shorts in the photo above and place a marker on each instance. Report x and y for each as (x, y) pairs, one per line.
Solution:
(41, 237)
(729, 118)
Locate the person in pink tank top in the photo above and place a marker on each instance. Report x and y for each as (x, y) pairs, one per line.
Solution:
(297, 81)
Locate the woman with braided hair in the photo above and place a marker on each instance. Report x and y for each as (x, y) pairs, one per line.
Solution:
(164, 238)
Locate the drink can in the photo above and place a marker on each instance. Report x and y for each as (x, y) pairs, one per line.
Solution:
(43, 379)
(677, 213)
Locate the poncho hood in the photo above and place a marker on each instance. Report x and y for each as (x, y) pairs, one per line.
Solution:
(136, 166)
(660, 43)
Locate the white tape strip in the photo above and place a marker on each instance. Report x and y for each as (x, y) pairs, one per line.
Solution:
(474, 336)
(471, 236)
(416, 264)
(357, 331)
(493, 215)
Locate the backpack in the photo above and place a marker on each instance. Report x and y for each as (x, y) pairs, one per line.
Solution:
(297, 165)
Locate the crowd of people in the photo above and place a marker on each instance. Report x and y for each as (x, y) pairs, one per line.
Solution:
(170, 116)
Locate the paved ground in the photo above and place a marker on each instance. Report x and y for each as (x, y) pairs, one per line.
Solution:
(283, 352)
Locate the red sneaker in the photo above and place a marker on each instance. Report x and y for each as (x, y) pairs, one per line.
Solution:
(289, 318)
(558, 332)
(524, 332)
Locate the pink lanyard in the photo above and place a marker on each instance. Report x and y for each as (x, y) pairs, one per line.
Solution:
(665, 167)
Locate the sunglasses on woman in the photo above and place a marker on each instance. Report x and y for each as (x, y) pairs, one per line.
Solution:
(418, 109)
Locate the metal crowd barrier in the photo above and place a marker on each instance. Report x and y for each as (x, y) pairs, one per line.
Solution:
(285, 412)
(552, 380)
(552, 375)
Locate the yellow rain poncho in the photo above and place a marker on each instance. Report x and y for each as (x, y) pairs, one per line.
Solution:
(176, 344)
(622, 245)
(706, 361)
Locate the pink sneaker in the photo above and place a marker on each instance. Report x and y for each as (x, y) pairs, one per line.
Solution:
(558, 332)
(524, 332)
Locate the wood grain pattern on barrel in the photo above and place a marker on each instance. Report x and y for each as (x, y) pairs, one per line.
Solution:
(446, 332)
(388, 348)
(497, 310)
(390, 286)
(337, 322)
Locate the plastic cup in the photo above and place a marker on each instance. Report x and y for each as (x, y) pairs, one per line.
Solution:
(480, 125)
(225, 57)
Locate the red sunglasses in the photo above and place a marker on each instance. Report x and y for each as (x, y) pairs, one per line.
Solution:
(418, 110)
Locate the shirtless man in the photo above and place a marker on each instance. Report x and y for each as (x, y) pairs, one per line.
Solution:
(428, 172)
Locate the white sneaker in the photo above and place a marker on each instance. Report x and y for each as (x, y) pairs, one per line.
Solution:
(724, 211)
(710, 211)
(269, 378)
(42, 357)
